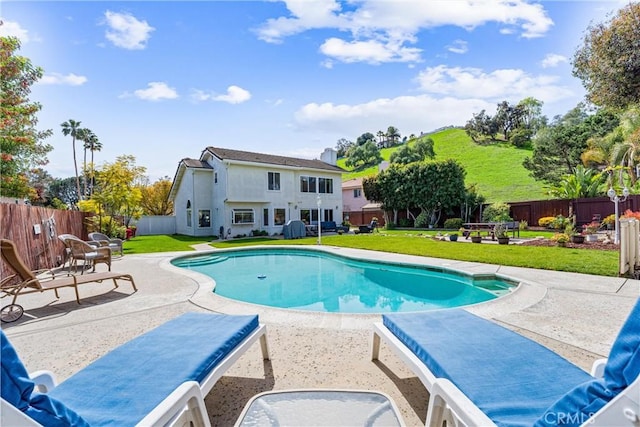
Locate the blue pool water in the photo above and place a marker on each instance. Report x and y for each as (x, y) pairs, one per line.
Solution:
(317, 281)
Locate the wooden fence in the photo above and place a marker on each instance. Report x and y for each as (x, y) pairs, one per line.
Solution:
(35, 232)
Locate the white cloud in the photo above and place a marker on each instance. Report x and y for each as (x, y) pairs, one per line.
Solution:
(458, 46)
(59, 79)
(155, 91)
(13, 29)
(126, 31)
(553, 60)
(510, 84)
(371, 51)
(410, 114)
(381, 30)
(234, 95)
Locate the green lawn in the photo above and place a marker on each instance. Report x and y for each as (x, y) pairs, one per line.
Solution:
(589, 261)
(496, 169)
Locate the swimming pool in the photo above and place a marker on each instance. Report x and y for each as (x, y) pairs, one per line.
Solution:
(312, 280)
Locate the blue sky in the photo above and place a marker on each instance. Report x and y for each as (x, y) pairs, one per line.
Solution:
(163, 80)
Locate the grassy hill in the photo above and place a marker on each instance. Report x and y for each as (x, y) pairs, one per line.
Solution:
(496, 169)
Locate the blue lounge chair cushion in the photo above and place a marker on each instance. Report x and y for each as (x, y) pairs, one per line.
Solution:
(18, 390)
(124, 385)
(512, 379)
(622, 368)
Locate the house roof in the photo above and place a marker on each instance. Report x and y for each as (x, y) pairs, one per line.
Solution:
(247, 156)
(182, 167)
(352, 183)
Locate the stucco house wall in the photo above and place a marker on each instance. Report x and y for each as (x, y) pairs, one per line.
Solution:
(235, 185)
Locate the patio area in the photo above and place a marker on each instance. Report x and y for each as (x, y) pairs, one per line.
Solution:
(575, 315)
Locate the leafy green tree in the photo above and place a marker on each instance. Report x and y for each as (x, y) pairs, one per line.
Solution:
(531, 114)
(471, 202)
(64, 190)
(21, 144)
(72, 127)
(625, 152)
(435, 186)
(361, 156)
(118, 190)
(365, 137)
(419, 151)
(393, 135)
(608, 63)
(481, 126)
(342, 147)
(583, 182)
(155, 198)
(558, 147)
(39, 181)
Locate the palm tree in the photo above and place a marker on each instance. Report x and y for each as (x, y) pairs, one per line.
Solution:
(94, 145)
(72, 128)
(89, 138)
(393, 134)
(626, 153)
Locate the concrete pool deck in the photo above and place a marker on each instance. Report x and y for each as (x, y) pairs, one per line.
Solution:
(576, 315)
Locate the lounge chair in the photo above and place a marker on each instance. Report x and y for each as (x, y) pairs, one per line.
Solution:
(26, 281)
(114, 243)
(157, 379)
(479, 373)
(91, 253)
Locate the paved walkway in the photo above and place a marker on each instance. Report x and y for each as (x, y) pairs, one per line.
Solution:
(575, 315)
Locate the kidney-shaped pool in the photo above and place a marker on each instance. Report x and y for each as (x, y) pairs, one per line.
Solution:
(312, 280)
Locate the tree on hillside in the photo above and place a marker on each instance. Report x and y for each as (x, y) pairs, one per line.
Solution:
(480, 126)
(72, 127)
(507, 118)
(21, 144)
(365, 137)
(393, 135)
(558, 147)
(362, 156)
(419, 151)
(608, 63)
(342, 146)
(155, 198)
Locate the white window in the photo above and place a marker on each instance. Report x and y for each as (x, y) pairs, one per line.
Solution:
(279, 216)
(242, 216)
(357, 192)
(307, 184)
(325, 185)
(274, 181)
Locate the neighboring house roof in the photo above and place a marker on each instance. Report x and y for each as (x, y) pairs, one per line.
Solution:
(246, 156)
(182, 167)
(352, 183)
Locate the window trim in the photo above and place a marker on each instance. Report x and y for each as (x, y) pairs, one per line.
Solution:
(243, 211)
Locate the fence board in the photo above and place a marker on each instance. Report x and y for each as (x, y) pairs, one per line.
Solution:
(43, 249)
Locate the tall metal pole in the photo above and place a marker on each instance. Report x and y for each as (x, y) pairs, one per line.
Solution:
(319, 202)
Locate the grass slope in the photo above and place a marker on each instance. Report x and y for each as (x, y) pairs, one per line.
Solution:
(496, 169)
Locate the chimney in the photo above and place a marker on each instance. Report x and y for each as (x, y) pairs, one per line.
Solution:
(330, 156)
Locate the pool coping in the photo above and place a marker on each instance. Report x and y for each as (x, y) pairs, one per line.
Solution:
(526, 294)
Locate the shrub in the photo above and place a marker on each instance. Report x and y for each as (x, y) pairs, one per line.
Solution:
(496, 212)
(523, 225)
(406, 222)
(422, 221)
(610, 219)
(453, 223)
(545, 221)
(559, 222)
(390, 226)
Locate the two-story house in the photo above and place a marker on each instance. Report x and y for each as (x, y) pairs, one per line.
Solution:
(356, 208)
(231, 192)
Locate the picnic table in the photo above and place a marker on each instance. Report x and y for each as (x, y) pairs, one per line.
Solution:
(489, 228)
